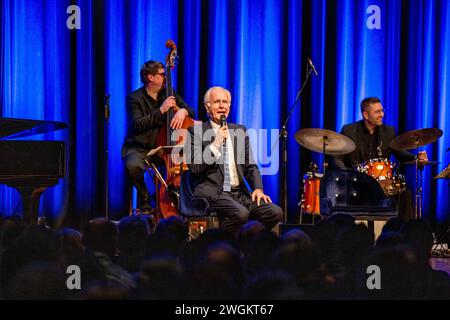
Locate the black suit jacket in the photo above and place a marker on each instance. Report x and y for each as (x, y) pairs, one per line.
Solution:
(144, 118)
(385, 135)
(208, 177)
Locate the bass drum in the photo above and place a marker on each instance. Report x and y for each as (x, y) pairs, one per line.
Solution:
(381, 169)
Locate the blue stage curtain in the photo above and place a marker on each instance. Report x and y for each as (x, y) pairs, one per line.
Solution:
(35, 63)
(395, 50)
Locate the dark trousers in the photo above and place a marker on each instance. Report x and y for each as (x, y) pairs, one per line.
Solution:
(135, 167)
(235, 208)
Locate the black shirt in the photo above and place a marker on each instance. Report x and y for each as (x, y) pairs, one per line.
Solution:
(371, 143)
(144, 118)
(366, 145)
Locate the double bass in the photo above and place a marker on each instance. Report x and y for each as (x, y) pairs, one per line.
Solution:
(168, 195)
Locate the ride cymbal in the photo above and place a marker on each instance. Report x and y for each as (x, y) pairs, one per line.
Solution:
(335, 143)
(416, 138)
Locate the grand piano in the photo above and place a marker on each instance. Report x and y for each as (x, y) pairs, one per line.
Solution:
(30, 166)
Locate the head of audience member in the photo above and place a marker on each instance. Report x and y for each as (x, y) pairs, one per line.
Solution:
(297, 236)
(300, 260)
(400, 275)
(327, 231)
(324, 237)
(159, 278)
(372, 112)
(353, 245)
(272, 286)
(101, 236)
(342, 220)
(214, 235)
(419, 235)
(175, 227)
(104, 290)
(389, 239)
(11, 228)
(394, 224)
(217, 102)
(222, 253)
(259, 257)
(72, 241)
(225, 257)
(216, 267)
(169, 238)
(38, 280)
(36, 243)
(160, 245)
(247, 235)
(133, 232)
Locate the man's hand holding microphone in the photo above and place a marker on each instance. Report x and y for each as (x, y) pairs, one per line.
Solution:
(222, 134)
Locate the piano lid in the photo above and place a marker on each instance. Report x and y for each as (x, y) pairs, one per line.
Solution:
(18, 128)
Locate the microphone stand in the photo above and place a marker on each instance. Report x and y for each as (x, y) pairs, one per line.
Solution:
(106, 114)
(283, 137)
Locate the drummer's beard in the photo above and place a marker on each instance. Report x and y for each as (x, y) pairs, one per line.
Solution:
(376, 122)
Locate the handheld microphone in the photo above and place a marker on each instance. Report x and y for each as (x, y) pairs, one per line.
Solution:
(223, 120)
(223, 123)
(311, 65)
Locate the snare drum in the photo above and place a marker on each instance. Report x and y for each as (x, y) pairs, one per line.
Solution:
(311, 190)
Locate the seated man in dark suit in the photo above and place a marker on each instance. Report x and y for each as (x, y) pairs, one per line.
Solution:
(146, 113)
(220, 159)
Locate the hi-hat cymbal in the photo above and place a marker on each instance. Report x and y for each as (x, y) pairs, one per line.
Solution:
(335, 143)
(416, 138)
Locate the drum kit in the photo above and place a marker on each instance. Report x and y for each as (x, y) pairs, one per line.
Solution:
(381, 169)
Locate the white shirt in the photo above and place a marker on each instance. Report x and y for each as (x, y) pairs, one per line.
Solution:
(234, 180)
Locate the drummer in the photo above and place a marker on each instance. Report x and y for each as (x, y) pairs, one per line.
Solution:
(372, 138)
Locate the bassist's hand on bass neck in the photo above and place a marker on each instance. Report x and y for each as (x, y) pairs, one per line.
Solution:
(169, 103)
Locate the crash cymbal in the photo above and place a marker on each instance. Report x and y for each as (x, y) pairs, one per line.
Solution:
(423, 162)
(416, 138)
(335, 143)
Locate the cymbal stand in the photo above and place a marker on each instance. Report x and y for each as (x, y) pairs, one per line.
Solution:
(419, 189)
(324, 162)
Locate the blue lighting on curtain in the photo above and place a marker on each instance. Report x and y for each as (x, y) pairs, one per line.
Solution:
(257, 49)
(35, 61)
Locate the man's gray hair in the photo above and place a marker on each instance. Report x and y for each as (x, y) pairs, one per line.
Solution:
(208, 93)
